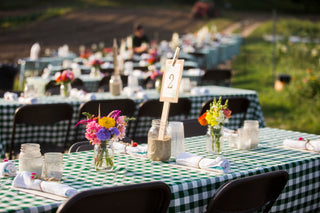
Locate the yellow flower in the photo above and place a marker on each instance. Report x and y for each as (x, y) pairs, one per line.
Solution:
(212, 121)
(107, 122)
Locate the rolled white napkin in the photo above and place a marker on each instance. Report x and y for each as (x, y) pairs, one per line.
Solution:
(140, 150)
(312, 145)
(23, 180)
(219, 164)
(143, 63)
(25, 100)
(8, 169)
(194, 72)
(200, 91)
(82, 95)
(10, 96)
(142, 95)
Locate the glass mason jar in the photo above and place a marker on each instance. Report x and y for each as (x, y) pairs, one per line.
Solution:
(115, 85)
(95, 71)
(65, 89)
(158, 150)
(176, 132)
(252, 128)
(53, 166)
(103, 156)
(215, 139)
(30, 158)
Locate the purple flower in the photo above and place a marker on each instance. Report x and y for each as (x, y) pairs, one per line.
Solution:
(103, 134)
(114, 130)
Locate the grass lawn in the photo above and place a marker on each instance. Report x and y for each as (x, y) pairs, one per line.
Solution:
(296, 106)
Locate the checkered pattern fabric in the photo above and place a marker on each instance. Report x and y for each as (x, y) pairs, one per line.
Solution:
(55, 133)
(191, 188)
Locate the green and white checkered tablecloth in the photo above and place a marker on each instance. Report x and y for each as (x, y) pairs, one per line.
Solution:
(45, 134)
(191, 188)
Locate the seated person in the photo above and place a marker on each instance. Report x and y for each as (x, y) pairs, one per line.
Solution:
(140, 41)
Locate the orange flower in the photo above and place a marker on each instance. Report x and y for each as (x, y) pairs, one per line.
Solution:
(308, 70)
(202, 119)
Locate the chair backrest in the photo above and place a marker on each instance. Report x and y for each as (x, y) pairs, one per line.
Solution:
(103, 85)
(249, 194)
(127, 107)
(81, 146)
(78, 83)
(217, 77)
(193, 128)
(140, 198)
(237, 105)
(153, 108)
(42, 114)
(52, 88)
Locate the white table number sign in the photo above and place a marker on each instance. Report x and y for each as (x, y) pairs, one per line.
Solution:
(171, 81)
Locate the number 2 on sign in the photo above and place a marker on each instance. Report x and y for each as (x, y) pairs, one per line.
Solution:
(171, 81)
(171, 78)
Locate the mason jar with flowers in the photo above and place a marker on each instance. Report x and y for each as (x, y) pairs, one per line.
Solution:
(101, 132)
(156, 76)
(95, 67)
(215, 117)
(64, 79)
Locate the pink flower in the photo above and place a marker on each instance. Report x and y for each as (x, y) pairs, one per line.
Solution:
(122, 130)
(91, 132)
(121, 119)
(300, 139)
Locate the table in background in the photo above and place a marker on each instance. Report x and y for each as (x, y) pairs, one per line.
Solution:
(45, 135)
(191, 189)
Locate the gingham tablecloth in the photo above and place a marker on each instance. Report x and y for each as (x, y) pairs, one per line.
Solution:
(191, 189)
(46, 135)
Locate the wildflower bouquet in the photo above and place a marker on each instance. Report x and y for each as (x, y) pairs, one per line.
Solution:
(96, 63)
(215, 118)
(64, 79)
(101, 131)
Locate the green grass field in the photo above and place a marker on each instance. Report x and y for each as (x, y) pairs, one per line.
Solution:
(297, 105)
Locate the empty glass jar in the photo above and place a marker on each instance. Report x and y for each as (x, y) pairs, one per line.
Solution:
(252, 128)
(30, 158)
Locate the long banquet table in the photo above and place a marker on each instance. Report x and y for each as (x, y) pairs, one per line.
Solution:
(7, 109)
(191, 188)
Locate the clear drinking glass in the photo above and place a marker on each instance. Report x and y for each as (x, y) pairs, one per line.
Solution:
(53, 166)
(252, 127)
(176, 131)
(244, 142)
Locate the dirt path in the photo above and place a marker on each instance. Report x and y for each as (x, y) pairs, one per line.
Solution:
(89, 26)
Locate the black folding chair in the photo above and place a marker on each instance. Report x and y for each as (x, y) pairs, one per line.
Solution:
(39, 115)
(249, 194)
(136, 198)
(193, 128)
(153, 109)
(221, 77)
(81, 146)
(237, 105)
(127, 107)
(52, 88)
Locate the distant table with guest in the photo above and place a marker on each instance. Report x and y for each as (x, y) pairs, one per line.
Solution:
(7, 110)
(191, 188)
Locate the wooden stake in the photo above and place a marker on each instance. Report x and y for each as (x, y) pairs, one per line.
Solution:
(164, 119)
(175, 57)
